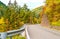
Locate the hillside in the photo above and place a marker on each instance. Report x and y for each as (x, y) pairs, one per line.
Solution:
(37, 10)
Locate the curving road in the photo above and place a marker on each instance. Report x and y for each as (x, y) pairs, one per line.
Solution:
(38, 32)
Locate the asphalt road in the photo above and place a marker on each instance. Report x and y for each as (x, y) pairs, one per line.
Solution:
(38, 32)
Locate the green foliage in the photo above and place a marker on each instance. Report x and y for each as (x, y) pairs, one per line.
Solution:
(36, 14)
(2, 5)
(2, 8)
(37, 10)
(15, 16)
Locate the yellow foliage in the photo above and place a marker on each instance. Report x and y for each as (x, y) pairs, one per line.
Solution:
(21, 23)
(35, 19)
(2, 20)
(54, 23)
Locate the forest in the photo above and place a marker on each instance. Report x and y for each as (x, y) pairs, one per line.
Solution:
(13, 16)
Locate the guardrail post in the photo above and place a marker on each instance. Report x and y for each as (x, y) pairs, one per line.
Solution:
(3, 35)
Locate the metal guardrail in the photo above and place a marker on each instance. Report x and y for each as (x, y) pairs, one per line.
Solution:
(3, 35)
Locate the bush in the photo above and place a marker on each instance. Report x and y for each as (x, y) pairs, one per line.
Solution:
(55, 23)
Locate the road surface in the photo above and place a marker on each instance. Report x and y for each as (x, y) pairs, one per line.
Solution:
(38, 32)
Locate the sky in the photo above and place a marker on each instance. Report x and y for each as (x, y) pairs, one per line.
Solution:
(30, 3)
